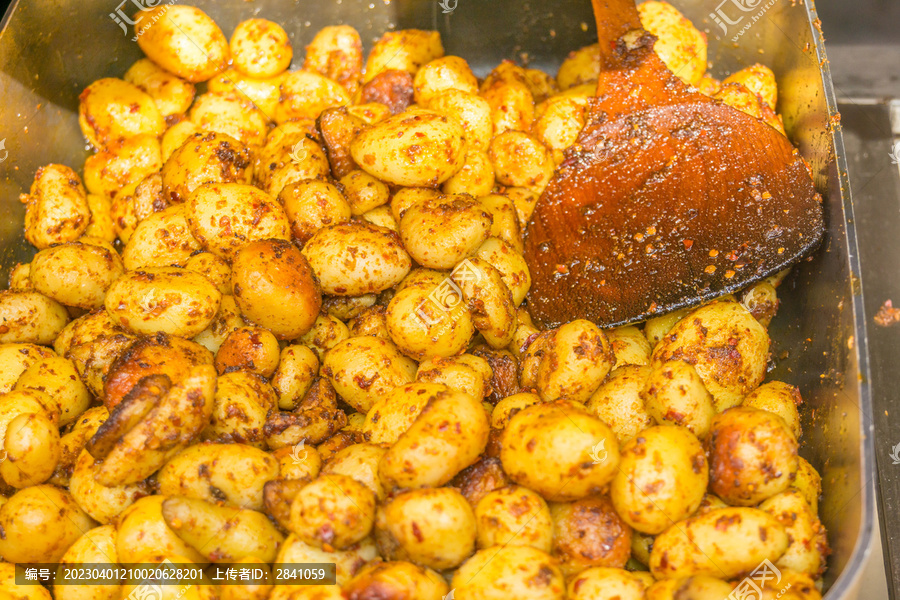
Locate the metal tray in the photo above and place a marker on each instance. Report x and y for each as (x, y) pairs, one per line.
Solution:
(51, 49)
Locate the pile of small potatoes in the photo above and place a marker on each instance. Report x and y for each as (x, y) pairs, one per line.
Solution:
(285, 321)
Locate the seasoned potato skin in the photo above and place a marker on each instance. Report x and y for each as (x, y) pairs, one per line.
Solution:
(204, 158)
(56, 207)
(589, 533)
(185, 41)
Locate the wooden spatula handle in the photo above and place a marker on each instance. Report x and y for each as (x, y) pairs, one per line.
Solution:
(614, 18)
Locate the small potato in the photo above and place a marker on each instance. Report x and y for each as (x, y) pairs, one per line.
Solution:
(232, 473)
(661, 480)
(356, 259)
(807, 541)
(337, 127)
(31, 449)
(480, 479)
(172, 95)
(214, 268)
(464, 373)
(311, 205)
(394, 412)
(778, 398)
(559, 450)
(429, 320)
(251, 349)
(447, 436)
(204, 158)
(558, 124)
(392, 88)
(520, 160)
(396, 579)
(438, 233)
(758, 79)
(305, 94)
(680, 45)
(617, 402)
(111, 110)
(726, 345)
(334, 511)
(76, 274)
(510, 263)
(163, 299)
(348, 562)
(370, 112)
(96, 546)
(40, 523)
(289, 157)
(745, 100)
(326, 333)
(657, 327)
(9, 573)
(363, 368)
(762, 302)
(141, 531)
(19, 278)
(415, 148)
(58, 378)
(809, 483)
(675, 394)
(445, 73)
(406, 49)
(514, 516)
(183, 40)
(580, 67)
(382, 217)
(542, 85)
(629, 346)
(507, 408)
(508, 93)
(262, 93)
(336, 52)
(505, 225)
(15, 359)
(298, 366)
(604, 583)
(363, 192)
(242, 402)
(162, 239)
(231, 114)
(122, 165)
(56, 208)
(133, 206)
(222, 533)
(102, 503)
(260, 48)
(471, 111)
(589, 533)
(94, 358)
(270, 275)
(738, 538)
(300, 464)
(752, 455)
(488, 300)
(577, 358)
(432, 528)
(30, 317)
(359, 461)
(369, 321)
(504, 572)
(524, 200)
(475, 178)
(225, 217)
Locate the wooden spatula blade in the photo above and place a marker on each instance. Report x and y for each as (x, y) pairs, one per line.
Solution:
(666, 207)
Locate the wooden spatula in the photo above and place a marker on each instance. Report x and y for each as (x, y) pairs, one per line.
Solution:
(667, 199)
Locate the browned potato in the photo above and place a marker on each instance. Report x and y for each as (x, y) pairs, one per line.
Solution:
(260, 48)
(251, 349)
(232, 114)
(675, 394)
(662, 478)
(183, 40)
(172, 95)
(333, 512)
(204, 158)
(589, 533)
(111, 110)
(617, 402)
(752, 455)
(336, 53)
(559, 450)
(56, 208)
(396, 579)
(267, 277)
(516, 516)
(778, 398)
(407, 49)
(363, 368)
(429, 527)
(504, 572)
(76, 273)
(311, 205)
(121, 165)
(242, 402)
(30, 317)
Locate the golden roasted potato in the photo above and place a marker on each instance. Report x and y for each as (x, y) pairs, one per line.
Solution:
(363, 368)
(589, 533)
(333, 512)
(111, 110)
(559, 450)
(183, 40)
(508, 93)
(260, 48)
(30, 318)
(661, 480)
(407, 50)
(251, 349)
(752, 455)
(119, 167)
(430, 527)
(778, 398)
(242, 402)
(172, 95)
(96, 546)
(163, 239)
(56, 207)
(606, 583)
(76, 273)
(142, 531)
(269, 275)
(503, 572)
(231, 114)
(617, 402)
(16, 358)
(680, 45)
(336, 52)
(674, 393)
(204, 158)
(513, 516)
(397, 579)
(103, 503)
